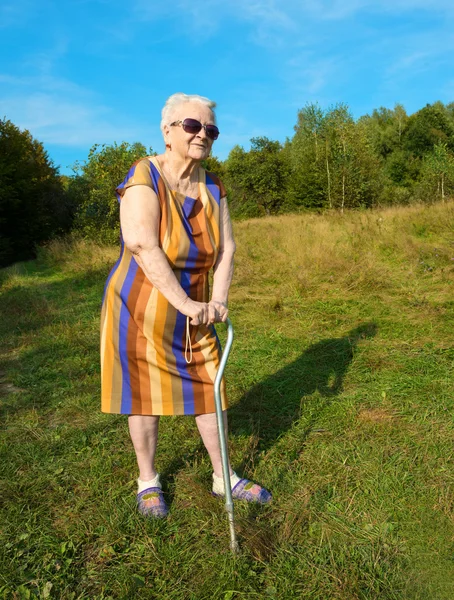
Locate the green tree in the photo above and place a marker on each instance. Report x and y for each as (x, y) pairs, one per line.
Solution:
(214, 165)
(308, 181)
(426, 128)
(33, 206)
(332, 162)
(437, 174)
(384, 129)
(92, 189)
(353, 170)
(256, 180)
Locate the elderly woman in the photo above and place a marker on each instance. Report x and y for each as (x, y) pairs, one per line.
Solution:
(159, 349)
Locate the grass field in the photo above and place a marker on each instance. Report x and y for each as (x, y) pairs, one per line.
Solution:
(340, 382)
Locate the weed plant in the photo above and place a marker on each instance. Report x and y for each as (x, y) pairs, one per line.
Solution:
(340, 384)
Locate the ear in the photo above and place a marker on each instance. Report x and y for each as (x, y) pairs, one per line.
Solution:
(167, 134)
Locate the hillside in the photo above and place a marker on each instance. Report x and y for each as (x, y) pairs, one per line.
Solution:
(340, 382)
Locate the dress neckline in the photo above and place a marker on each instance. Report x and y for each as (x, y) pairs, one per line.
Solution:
(154, 160)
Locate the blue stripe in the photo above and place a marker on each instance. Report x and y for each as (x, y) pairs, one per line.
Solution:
(178, 352)
(125, 317)
(155, 177)
(217, 339)
(214, 189)
(193, 252)
(125, 180)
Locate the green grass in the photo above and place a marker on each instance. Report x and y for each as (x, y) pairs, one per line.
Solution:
(340, 383)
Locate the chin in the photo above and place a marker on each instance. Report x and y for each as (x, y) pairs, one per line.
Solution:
(198, 153)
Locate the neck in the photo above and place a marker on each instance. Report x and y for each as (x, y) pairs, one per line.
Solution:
(180, 167)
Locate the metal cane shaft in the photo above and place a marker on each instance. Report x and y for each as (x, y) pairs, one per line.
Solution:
(222, 437)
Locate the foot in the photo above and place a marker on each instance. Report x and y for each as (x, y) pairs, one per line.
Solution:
(151, 503)
(250, 492)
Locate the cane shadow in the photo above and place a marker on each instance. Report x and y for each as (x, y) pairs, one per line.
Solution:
(310, 383)
(269, 408)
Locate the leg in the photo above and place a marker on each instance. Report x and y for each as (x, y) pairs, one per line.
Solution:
(143, 430)
(242, 489)
(208, 429)
(144, 435)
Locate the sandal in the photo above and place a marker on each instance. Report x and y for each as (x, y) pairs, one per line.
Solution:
(151, 503)
(250, 492)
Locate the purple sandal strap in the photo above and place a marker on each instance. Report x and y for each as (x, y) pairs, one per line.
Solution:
(251, 492)
(151, 503)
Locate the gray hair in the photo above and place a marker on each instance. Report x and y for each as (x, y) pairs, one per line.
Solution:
(180, 98)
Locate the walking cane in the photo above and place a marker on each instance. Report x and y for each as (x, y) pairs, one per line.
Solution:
(222, 440)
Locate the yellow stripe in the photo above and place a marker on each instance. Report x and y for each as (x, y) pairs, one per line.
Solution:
(154, 372)
(170, 215)
(211, 211)
(112, 395)
(162, 326)
(107, 349)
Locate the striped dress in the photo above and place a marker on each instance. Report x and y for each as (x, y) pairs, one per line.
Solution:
(143, 337)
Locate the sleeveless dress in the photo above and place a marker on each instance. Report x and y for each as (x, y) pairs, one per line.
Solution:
(143, 337)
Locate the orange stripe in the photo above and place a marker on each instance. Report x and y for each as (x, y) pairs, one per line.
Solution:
(154, 373)
(161, 335)
(202, 239)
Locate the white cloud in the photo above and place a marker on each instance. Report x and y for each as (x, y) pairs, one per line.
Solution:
(205, 17)
(271, 16)
(14, 12)
(341, 9)
(311, 72)
(58, 111)
(416, 54)
(56, 120)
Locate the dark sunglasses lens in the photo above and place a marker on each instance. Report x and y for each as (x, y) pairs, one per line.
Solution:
(212, 132)
(192, 126)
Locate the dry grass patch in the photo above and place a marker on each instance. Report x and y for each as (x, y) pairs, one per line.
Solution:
(376, 415)
(78, 255)
(352, 252)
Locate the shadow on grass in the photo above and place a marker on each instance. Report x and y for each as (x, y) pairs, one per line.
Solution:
(303, 388)
(307, 385)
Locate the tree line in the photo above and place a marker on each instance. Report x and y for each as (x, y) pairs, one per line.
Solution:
(332, 161)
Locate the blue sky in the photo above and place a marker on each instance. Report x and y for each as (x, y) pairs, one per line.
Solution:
(82, 72)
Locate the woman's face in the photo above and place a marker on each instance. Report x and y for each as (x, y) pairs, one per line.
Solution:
(189, 145)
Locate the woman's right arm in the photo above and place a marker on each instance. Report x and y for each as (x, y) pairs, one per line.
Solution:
(140, 218)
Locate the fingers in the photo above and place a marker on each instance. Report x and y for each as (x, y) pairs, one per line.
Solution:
(200, 315)
(218, 312)
(207, 314)
(212, 313)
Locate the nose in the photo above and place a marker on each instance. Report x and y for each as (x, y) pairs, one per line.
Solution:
(202, 133)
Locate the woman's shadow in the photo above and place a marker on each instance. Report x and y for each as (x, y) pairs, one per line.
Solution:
(303, 388)
(308, 385)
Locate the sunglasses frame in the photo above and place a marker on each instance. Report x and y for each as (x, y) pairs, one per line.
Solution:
(181, 122)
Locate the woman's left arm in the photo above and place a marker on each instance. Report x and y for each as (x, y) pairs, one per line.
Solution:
(223, 269)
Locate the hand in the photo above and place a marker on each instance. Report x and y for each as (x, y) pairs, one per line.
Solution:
(197, 311)
(202, 313)
(217, 311)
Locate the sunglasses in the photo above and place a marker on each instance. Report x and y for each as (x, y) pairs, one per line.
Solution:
(193, 126)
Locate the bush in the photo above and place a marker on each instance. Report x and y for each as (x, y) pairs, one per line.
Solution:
(92, 189)
(33, 208)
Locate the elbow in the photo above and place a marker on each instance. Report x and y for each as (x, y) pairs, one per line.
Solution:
(138, 247)
(229, 248)
(134, 246)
